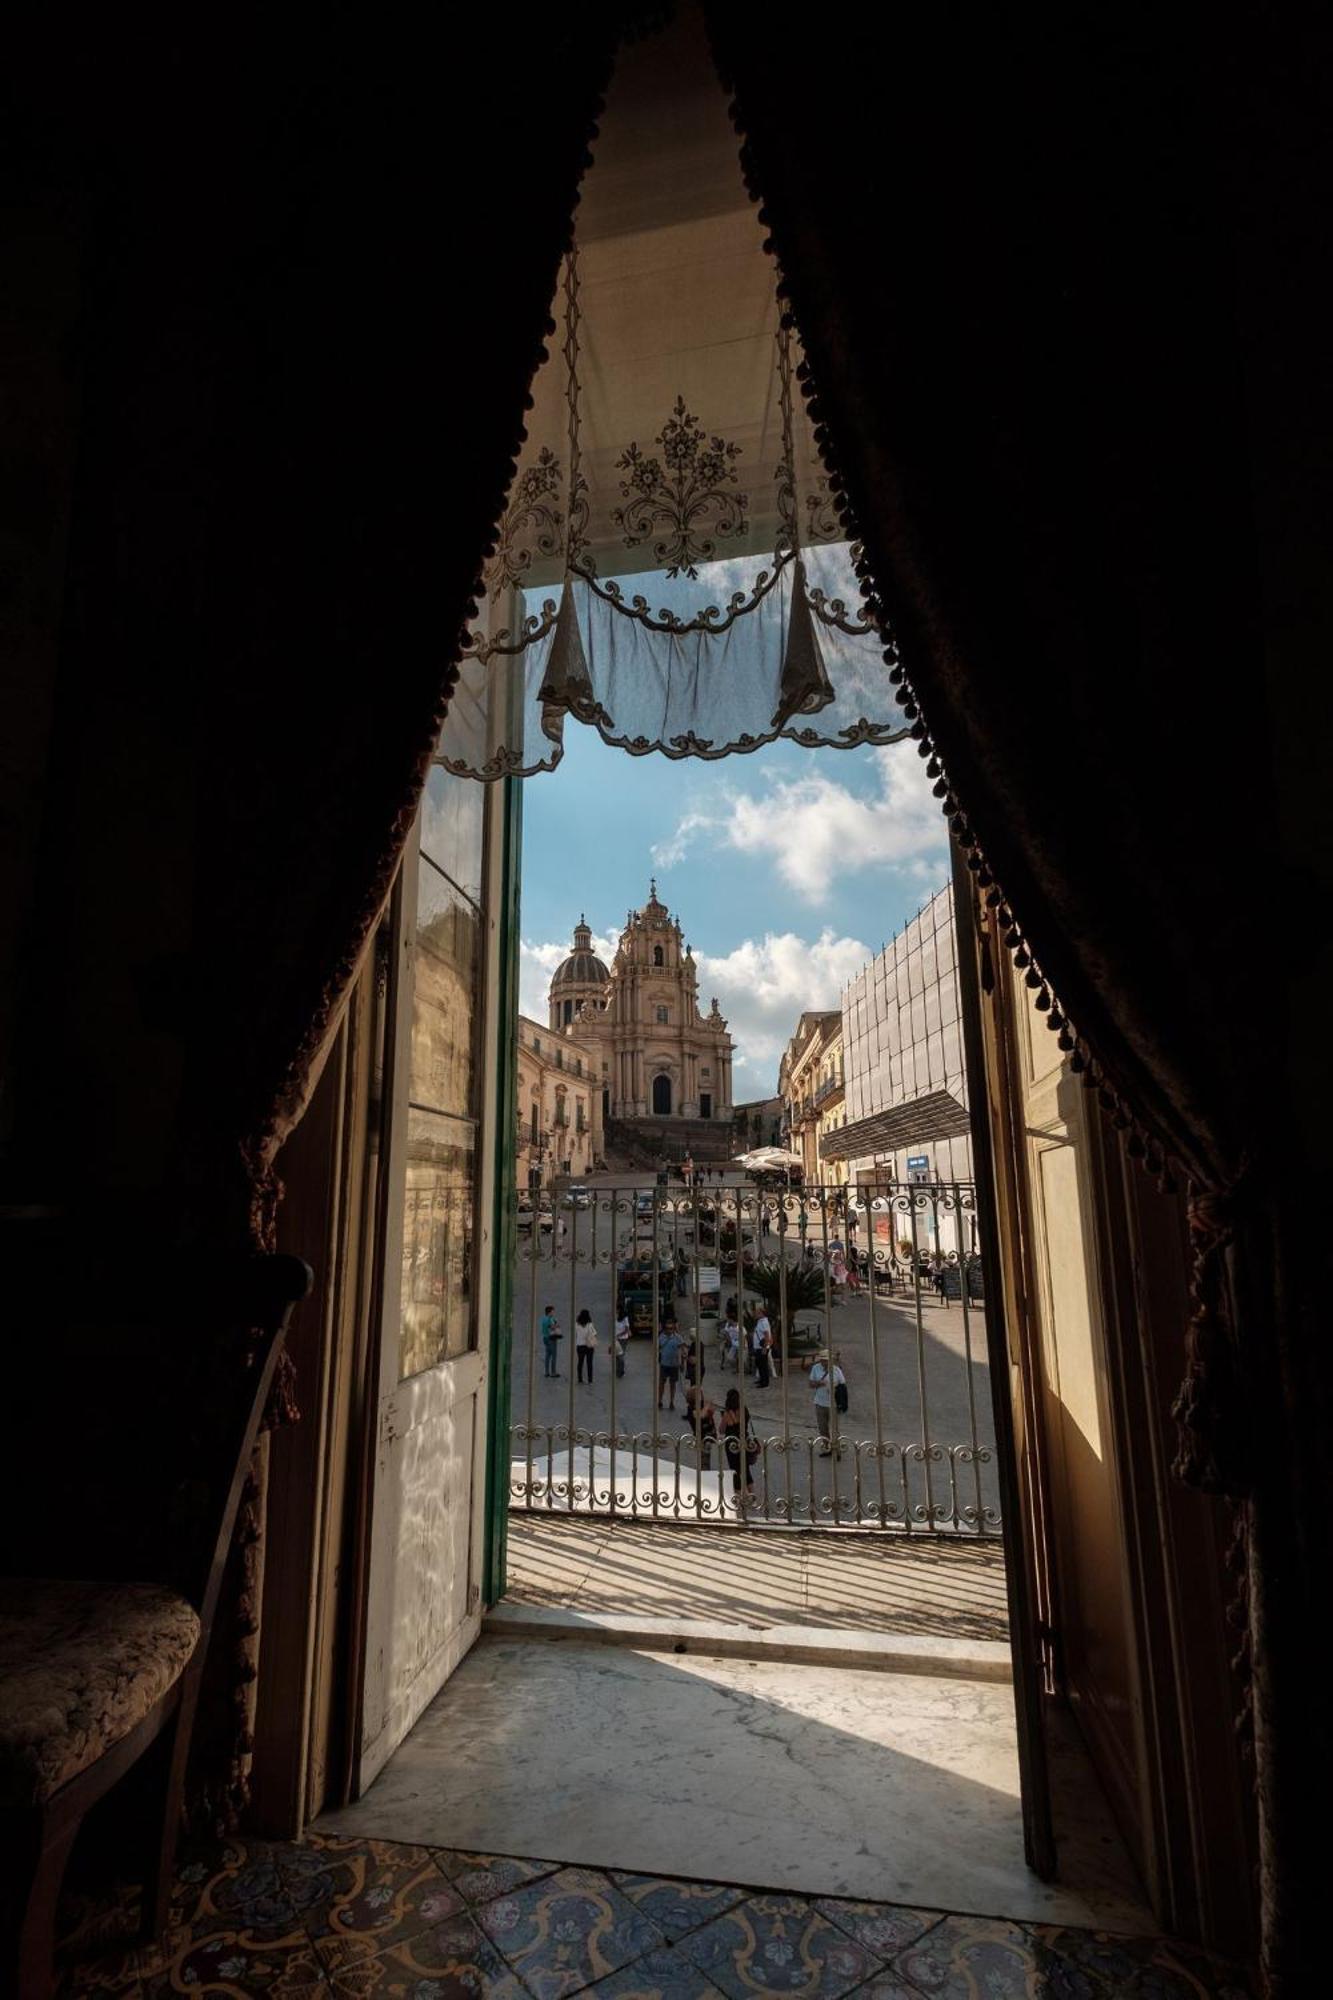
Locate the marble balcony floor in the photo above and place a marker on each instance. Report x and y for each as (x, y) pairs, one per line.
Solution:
(664, 1828)
(808, 1780)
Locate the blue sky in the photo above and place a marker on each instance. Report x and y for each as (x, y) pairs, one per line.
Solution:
(788, 869)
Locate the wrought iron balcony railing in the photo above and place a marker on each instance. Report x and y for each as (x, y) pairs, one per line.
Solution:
(886, 1279)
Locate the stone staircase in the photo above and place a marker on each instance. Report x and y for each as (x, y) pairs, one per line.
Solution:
(640, 1145)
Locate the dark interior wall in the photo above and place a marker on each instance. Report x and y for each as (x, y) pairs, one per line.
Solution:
(296, 360)
(39, 365)
(117, 294)
(1281, 142)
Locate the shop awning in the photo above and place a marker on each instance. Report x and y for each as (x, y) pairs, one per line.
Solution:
(939, 1115)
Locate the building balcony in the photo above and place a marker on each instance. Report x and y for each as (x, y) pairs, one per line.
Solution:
(830, 1091)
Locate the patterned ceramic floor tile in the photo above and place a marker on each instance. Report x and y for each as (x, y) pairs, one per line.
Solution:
(884, 1929)
(251, 1887)
(567, 1930)
(452, 1961)
(976, 1958)
(661, 1975)
(222, 1965)
(676, 1907)
(479, 1877)
(779, 1944)
(357, 1897)
(886, 1986)
(1138, 1968)
(330, 1917)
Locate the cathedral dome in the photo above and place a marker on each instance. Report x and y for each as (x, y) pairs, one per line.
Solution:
(582, 967)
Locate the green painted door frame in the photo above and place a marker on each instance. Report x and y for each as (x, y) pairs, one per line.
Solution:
(504, 1109)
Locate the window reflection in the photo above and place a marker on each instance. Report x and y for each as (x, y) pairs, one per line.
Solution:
(437, 1241)
(445, 1019)
(452, 823)
(444, 1081)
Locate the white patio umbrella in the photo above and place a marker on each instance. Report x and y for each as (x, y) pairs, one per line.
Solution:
(769, 1160)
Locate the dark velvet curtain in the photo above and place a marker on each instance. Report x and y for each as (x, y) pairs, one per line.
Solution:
(312, 267)
(393, 226)
(1010, 244)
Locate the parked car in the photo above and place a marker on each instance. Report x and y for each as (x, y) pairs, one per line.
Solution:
(643, 1204)
(526, 1212)
(576, 1197)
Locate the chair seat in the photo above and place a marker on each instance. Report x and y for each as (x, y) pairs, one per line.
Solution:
(80, 1665)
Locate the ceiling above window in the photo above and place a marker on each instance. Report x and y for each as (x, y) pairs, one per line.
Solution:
(669, 567)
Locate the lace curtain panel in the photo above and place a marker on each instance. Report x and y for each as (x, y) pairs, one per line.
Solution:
(668, 568)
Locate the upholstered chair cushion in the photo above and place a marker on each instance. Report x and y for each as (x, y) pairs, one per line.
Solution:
(80, 1665)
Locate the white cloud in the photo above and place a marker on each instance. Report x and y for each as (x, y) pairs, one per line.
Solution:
(814, 827)
(765, 984)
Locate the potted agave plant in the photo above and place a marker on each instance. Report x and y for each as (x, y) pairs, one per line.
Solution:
(804, 1290)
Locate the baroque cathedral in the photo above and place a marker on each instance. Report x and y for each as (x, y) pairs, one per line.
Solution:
(661, 1058)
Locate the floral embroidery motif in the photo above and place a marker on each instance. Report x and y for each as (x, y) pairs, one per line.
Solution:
(530, 525)
(822, 523)
(682, 496)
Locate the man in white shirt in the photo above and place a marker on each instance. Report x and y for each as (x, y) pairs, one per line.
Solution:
(761, 1344)
(826, 1378)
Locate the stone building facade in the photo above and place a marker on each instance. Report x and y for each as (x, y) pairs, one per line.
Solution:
(559, 1104)
(759, 1122)
(659, 1056)
(905, 1072)
(810, 1084)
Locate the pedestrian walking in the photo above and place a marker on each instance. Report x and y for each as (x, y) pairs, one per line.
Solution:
(731, 1342)
(830, 1387)
(732, 1432)
(622, 1340)
(551, 1338)
(585, 1344)
(669, 1345)
(761, 1345)
(692, 1362)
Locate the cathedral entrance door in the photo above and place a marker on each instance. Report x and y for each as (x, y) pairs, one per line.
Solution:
(662, 1096)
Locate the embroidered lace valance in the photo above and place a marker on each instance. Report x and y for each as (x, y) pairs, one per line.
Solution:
(669, 567)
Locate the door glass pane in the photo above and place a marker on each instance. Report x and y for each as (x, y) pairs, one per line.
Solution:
(446, 1018)
(437, 1241)
(452, 821)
